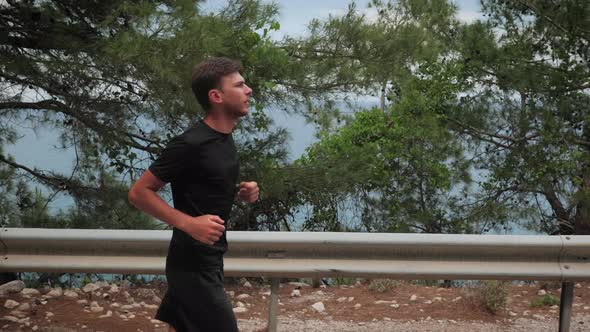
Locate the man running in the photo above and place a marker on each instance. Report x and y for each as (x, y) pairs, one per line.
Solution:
(202, 167)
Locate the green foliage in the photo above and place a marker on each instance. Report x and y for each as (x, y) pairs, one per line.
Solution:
(545, 300)
(383, 285)
(492, 295)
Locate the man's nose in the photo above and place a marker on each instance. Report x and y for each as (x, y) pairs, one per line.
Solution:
(248, 90)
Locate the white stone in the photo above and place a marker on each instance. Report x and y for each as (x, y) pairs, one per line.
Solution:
(156, 299)
(102, 284)
(131, 316)
(295, 293)
(438, 298)
(554, 307)
(453, 321)
(243, 297)
(428, 302)
(11, 304)
(586, 308)
(240, 310)
(151, 306)
(83, 301)
(108, 314)
(231, 293)
(29, 292)
(578, 286)
(56, 292)
(24, 307)
(512, 314)
(247, 284)
(43, 302)
(387, 318)
(35, 328)
(357, 306)
(350, 299)
(540, 317)
(341, 299)
(526, 313)
(155, 321)
(413, 297)
(383, 302)
(395, 305)
(49, 314)
(457, 299)
(127, 307)
(88, 288)
(541, 292)
(240, 304)
(10, 319)
(71, 294)
(114, 289)
(318, 306)
(115, 305)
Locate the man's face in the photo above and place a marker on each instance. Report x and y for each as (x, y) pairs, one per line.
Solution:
(236, 94)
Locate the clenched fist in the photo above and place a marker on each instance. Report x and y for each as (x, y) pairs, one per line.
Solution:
(248, 192)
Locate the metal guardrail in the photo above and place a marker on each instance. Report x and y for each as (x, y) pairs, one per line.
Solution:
(304, 254)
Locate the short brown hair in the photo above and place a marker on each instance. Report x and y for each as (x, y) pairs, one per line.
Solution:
(207, 75)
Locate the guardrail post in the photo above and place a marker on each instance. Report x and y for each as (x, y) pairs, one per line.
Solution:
(273, 309)
(565, 306)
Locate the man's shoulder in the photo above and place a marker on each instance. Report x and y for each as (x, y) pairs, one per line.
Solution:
(196, 135)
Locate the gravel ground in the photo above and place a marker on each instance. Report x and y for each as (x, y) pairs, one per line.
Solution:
(579, 323)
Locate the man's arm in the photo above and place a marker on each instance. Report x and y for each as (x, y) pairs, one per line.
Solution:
(143, 195)
(248, 192)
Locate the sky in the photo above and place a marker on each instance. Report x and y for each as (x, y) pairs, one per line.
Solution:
(40, 148)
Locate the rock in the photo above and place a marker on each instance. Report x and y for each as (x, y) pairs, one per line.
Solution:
(453, 321)
(55, 292)
(131, 316)
(512, 314)
(428, 302)
(151, 306)
(71, 294)
(296, 293)
(243, 297)
(395, 305)
(357, 306)
(318, 306)
(94, 307)
(14, 286)
(155, 321)
(126, 294)
(554, 307)
(114, 289)
(83, 301)
(540, 317)
(526, 313)
(239, 310)
(136, 305)
(89, 288)
(10, 319)
(524, 292)
(350, 299)
(28, 292)
(341, 299)
(35, 328)
(383, 302)
(49, 314)
(43, 302)
(586, 308)
(11, 304)
(413, 297)
(387, 318)
(17, 313)
(127, 307)
(578, 285)
(437, 298)
(115, 305)
(156, 299)
(24, 307)
(240, 304)
(319, 293)
(247, 284)
(541, 292)
(108, 314)
(457, 299)
(231, 293)
(102, 284)
(106, 296)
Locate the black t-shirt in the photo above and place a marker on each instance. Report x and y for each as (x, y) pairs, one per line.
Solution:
(202, 168)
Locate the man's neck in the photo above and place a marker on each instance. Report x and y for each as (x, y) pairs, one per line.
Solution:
(220, 122)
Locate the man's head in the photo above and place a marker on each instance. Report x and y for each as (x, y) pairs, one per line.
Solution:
(217, 83)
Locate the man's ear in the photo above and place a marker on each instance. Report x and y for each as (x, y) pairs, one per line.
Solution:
(215, 96)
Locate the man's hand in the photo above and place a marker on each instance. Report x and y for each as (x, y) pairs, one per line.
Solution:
(206, 229)
(248, 192)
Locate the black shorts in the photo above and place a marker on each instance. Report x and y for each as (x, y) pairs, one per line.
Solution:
(196, 302)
